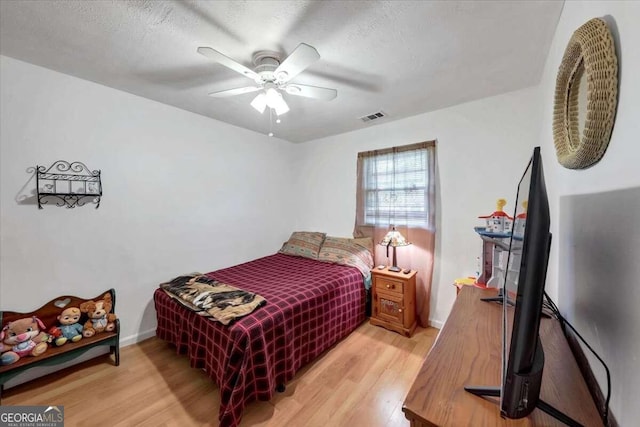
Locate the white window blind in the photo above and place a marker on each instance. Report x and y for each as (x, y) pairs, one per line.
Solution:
(395, 188)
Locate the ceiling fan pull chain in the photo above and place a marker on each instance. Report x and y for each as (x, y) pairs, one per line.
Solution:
(270, 121)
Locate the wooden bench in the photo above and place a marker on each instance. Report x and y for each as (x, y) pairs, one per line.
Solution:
(48, 314)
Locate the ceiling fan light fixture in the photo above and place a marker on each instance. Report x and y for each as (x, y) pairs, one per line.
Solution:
(272, 97)
(275, 101)
(260, 103)
(282, 108)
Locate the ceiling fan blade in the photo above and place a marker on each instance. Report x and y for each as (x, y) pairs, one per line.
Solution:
(227, 62)
(236, 91)
(303, 56)
(315, 92)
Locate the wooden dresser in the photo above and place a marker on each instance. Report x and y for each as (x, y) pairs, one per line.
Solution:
(394, 300)
(468, 352)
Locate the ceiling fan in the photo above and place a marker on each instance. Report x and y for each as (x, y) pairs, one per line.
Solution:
(272, 76)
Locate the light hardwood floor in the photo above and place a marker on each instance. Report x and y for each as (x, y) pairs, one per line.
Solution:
(362, 381)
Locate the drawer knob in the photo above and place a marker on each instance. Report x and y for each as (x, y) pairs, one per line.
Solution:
(399, 310)
(388, 286)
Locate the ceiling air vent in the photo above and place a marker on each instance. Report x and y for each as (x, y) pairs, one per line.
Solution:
(373, 116)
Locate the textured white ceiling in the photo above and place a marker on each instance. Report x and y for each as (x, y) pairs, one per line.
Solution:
(402, 57)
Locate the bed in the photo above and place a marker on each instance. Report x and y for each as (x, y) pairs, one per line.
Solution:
(311, 305)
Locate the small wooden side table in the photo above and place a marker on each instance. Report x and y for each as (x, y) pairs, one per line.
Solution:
(394, 300)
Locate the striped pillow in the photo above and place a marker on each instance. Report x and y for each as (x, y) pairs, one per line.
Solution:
(352, 252)
(304, 243)
(367, 242)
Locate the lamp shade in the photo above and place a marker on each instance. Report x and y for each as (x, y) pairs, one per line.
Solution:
(394, 238)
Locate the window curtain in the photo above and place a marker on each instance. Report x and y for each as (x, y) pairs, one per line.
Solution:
(396, 187)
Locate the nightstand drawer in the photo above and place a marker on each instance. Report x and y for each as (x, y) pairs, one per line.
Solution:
(389, 285)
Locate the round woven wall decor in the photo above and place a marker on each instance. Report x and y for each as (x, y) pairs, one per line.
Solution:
(590, 51)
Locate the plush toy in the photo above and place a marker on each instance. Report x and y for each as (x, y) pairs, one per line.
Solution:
(100, 319)
(22, 337)
(70, 328)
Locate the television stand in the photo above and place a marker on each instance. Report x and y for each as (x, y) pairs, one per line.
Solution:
(468, 351)
(522, 392)
(498, 298)
(541, 404)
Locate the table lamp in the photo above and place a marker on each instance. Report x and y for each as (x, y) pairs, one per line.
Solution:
(395, 239)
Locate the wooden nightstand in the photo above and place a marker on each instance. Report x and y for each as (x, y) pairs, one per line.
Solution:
(394, 300)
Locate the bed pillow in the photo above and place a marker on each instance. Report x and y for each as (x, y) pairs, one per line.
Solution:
(304, 243)
(367, 242)
(351, 252)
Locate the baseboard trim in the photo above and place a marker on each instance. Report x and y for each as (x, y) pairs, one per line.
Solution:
(136, 338)
(436, 323)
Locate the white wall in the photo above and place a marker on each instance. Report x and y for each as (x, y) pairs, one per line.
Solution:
(182, 193)
(601, 305)
(483, 148)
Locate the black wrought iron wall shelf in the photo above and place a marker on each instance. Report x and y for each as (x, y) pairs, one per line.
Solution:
(68, 184)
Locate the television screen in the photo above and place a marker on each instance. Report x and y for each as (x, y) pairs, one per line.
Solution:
(523, 358)
(522, 298)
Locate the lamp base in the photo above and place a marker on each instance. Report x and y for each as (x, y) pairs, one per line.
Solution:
(395, 269)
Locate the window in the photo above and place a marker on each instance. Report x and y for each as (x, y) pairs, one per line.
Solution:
(395, 185)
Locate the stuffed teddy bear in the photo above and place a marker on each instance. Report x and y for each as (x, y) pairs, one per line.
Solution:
(100, 319)
(22, 337)
(69, 329)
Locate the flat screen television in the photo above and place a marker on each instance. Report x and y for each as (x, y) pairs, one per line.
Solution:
(522, 354)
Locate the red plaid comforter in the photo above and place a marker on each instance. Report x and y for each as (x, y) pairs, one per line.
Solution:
(310, 306)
